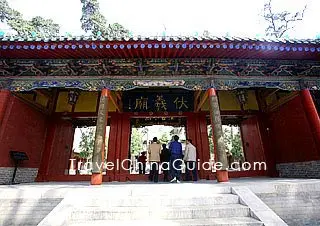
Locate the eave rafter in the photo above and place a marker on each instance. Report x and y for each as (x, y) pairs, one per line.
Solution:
(203, 99)
(115, 100)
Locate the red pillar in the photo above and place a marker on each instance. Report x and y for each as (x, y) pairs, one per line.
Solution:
(312, 116)
(4, 99)
(222, 174)
(98, 152)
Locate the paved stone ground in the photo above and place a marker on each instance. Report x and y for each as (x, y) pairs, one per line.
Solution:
(268, 189)
(258, 185)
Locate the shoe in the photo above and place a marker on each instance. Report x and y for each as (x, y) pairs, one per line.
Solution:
(177, 181)
(173, 180)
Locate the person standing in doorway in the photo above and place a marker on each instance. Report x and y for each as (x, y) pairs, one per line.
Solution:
(190, 157)
(165, 160)
(142, 159)
(154, 152)
(175, 159)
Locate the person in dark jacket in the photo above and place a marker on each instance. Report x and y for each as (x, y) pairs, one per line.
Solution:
(175, 159)
(142, 159)
(165, 160)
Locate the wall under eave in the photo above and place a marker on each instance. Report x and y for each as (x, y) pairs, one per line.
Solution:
(293, 144)
(229, 102)
(23, 129)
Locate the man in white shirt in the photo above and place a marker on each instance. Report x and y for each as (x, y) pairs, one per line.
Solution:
(190, 157)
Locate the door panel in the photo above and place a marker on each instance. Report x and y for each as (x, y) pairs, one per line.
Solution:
(251, 138)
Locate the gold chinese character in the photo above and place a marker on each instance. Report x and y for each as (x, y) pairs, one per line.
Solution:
(141, 103)
(160, 103)
(180, 103)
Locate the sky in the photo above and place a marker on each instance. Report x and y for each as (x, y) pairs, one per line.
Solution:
(180, 17)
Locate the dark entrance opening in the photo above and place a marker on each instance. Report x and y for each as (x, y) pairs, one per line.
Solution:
(144, 129)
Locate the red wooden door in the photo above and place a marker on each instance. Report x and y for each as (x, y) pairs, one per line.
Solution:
(251, 140)
(62, 148)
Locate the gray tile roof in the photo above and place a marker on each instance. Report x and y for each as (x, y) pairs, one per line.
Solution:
(159, 38)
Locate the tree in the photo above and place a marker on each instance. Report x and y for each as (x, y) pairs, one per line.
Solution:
(93, 21)
(236, 147)
(211, 145)
(136, 141)
(86, 145)
(280, 22)
(177, 131)
(164, 138)
(37, 26)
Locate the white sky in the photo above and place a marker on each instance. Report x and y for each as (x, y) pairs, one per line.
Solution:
(145, 17)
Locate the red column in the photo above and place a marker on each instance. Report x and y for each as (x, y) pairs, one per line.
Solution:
(4, 98)
(312, 116)
(222, 174)
(99, 144)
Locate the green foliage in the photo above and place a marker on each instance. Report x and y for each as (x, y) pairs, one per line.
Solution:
(236, 149)
(136, 141)
(37, 26)
(5, 10)
(211, 145)
(93, 21)
(86, 145)
(177, 131)
(164, 138)
(232, 141)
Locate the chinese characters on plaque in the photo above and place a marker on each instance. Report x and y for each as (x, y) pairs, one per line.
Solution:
(158, 102)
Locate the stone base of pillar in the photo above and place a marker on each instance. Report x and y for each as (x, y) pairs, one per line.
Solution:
(222, 176)
(96, 179)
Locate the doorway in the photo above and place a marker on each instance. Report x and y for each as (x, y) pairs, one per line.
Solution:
(83, 145)
(143, 130)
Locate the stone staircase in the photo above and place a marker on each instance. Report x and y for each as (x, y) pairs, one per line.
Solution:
(30, 211)
(168, 204)
(295, 208)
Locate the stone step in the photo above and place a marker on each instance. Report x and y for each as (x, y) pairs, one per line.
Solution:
(29, 202)
(311, 194)
(234, 221)
(303, 221)
(152, 190)
(18, 205)
(297, 211)
(298, 205)
(214, 199)
(25, 211)
(21, 219)
(137, 213)
(292, 198)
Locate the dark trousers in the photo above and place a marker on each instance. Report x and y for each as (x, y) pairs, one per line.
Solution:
(165, 170)
(175, 166)
(191, 168)
(154, 172)
(142, 168)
